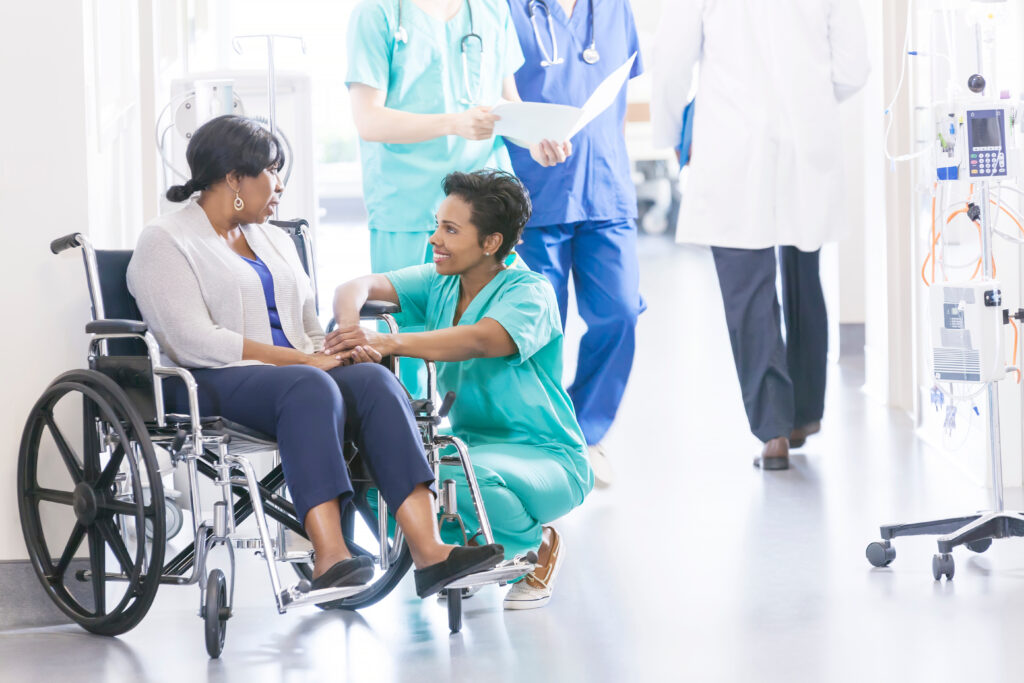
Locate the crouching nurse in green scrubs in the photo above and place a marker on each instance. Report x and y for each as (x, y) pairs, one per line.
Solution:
(494, 328)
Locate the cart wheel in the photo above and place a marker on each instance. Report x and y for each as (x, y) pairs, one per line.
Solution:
(880, 553)
(87, 480)
(454, 596)
(942, 565)
(216, 613)
(979, 546)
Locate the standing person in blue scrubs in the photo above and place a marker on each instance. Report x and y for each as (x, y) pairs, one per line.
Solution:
(584, 219)
(422, 75)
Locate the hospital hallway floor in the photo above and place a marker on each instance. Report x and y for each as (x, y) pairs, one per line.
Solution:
(694, 566)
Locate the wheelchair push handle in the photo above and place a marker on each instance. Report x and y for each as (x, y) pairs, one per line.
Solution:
(446, 404)
(66, 242)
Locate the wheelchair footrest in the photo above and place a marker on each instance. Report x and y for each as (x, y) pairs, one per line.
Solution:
(295, 596)
(502, 574)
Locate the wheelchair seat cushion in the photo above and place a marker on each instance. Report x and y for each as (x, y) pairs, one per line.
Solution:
(214, 425)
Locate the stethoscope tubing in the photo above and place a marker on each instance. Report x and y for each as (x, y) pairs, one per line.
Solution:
(590, 54)
(471, 99)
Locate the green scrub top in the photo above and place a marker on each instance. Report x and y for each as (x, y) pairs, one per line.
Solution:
(517, 399)
(402, 183)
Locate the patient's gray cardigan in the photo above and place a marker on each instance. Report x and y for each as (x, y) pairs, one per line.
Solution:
(200, 299)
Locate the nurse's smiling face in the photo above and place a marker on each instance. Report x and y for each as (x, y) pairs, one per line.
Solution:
(456, 241)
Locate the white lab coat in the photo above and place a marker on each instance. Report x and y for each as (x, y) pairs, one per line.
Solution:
(765, 168)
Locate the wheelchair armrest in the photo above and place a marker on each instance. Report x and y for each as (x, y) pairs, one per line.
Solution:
(375, 309)
(116, 327)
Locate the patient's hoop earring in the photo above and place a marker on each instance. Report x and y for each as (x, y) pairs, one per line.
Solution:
(239, 204)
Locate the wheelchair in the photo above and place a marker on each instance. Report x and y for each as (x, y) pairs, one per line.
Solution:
(118, 505)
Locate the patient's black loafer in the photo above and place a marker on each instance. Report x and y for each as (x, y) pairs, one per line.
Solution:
(463, 561)
(354, 571)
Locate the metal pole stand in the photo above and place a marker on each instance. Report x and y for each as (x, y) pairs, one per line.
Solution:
(974, 531)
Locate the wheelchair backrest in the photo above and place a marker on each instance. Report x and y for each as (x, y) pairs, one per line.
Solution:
(118, 303)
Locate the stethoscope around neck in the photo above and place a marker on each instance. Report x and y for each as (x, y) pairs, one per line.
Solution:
(590, 54)
(472, 98)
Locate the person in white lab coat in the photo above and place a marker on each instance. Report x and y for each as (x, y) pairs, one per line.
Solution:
(765, 173)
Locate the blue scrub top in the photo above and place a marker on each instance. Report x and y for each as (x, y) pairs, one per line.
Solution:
(595, 182)
(402, 183)
(267, 280)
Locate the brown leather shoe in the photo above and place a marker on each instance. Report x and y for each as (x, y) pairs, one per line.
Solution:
(798, 437)
(774, 455)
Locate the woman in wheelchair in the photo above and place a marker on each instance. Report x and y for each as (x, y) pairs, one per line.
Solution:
(226, 295)
(494, 327)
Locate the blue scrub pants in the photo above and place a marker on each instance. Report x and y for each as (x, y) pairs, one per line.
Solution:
(783, 382)
(523, 488)
(601, 255)
(389, 251)
(310, 412)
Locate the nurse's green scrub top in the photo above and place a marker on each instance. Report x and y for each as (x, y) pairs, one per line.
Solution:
(517, 399)
(402, 183)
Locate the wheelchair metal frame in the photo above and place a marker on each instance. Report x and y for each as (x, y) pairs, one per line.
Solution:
(220, 454)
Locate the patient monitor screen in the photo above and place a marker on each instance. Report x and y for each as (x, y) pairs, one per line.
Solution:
(985, 132)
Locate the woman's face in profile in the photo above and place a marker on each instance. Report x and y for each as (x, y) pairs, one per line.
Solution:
(456, 240)
(260, 194)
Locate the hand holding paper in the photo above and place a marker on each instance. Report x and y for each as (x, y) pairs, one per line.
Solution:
(528, 123)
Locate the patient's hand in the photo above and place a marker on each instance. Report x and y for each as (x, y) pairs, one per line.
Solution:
(346, 339)
(325, 361)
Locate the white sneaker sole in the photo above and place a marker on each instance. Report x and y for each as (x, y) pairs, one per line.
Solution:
(540, 601)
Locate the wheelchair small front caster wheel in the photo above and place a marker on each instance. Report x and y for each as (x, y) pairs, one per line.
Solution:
(942, 565)
(880, 553)
(454, 609)
(216, 613)
(979, 546)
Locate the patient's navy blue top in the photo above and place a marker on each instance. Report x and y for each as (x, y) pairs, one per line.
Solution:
(268, 291)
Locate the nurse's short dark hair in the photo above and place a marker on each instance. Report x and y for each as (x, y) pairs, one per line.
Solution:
(498, 201)
(227, 144)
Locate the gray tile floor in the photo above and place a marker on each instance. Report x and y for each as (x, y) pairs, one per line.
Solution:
(694, 566)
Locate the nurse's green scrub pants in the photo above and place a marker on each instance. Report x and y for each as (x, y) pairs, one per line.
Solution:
(523, 488)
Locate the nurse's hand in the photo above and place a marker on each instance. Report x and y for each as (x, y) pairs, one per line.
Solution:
(475, 124)
(549, 153)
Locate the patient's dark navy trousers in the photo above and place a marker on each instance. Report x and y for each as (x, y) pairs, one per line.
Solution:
(311, 412)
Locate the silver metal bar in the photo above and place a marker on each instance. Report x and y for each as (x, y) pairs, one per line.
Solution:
(261, 524)
(474, 488)
(992, 390)
(503, 573)
(92, 274)
(382, 532)
(432, 383)
(294, 597)
(193, 402)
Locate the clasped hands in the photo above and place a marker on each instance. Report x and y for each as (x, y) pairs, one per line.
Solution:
(356, 344)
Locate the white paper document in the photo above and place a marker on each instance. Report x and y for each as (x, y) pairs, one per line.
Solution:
(527, 123)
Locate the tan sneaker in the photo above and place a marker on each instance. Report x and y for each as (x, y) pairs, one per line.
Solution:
(604, 476)
(535, 589)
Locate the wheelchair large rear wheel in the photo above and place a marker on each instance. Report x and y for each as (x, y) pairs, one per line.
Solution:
(87, 474)
(359, 524)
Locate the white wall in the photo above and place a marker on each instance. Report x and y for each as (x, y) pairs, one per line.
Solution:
(43, 190)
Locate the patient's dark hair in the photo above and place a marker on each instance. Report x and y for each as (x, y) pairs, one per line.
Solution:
(225, 144)
(499, 204)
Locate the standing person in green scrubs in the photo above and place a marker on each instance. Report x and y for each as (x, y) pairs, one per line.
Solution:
(494, 327)
(422, 75)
